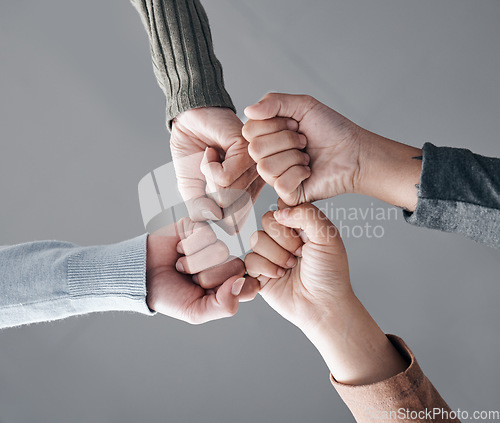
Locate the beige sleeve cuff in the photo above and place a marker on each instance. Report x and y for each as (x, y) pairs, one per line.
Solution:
(407, 396)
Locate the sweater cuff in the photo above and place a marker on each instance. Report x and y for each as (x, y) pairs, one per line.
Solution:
(458, 192)
(384, 391)
(110, 277)
(184, 61)
(408, 391)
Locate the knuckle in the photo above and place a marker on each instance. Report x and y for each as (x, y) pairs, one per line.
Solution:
(239, 267)
(248, 262)
(224, 179)
(221, 250)
(273, 228)
(203, 229)
(206, 280)
(291, 136)
(264, 168)
(270, 96)
(255, 238)
(221, 198)
(182, 226)
(309, 99)
(300, 157)
(268, 216)
(267, 220)
(282, 258)
(255, 149)
(204, 283)
(224, 202)
(281, 186)
(280, 124)
(211, 236)
(248, 130)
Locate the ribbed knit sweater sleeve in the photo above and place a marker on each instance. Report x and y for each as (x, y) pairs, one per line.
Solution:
(183, 57)
(49, 280)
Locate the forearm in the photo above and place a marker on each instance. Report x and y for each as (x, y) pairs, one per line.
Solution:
(389, 171)
(376, 375)
(50, 280)
(449, 189)
(184, 62)
(354, 348)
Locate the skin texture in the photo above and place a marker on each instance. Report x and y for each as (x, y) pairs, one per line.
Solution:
(213, 168)
(315, 294)
(307, 152)
(176, 252)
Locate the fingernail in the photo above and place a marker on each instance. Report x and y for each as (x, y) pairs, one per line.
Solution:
(180, 250)
(307, 168)
(292, 125)
(298, 252)
(237, 286)
(207, 214)
(307, 158)
(292, 261)
(302, 140)
(280, 272)
(179, 267)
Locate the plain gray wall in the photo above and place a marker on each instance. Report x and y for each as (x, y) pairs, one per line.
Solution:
(82, 120)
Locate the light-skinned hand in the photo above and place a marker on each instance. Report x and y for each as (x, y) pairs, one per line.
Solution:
(301, 264)
(213, 167)
(307, 152)
(302, 148)
(190, 275)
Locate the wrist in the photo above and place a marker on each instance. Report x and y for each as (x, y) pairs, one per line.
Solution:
(389, 170)
(354, 348)
(332, 317)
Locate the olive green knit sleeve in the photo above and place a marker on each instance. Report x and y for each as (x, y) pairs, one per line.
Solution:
(182, 52)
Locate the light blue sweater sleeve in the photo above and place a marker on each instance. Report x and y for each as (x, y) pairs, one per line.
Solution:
(50, 280)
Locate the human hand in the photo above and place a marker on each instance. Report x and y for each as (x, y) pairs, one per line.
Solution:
(302, 276)
(305, 278)
(302, 148)
(216, 177)
(190, 276)
(309, 152)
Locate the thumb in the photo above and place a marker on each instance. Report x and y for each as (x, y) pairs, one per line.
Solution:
(283, 105)
(312, 221)
(225, 173)
(217, 305)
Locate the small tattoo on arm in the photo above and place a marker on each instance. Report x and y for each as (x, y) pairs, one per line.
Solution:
(417, 186)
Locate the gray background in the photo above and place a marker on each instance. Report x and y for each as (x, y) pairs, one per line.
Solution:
(82, 121)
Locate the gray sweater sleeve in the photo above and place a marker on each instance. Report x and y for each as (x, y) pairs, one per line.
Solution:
(184, 62)
(459, 192)
(50, 280)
